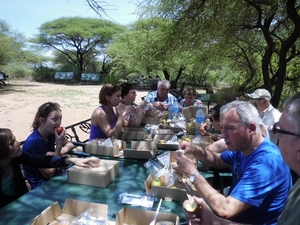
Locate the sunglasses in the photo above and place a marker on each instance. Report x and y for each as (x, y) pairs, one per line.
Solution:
(276, 130)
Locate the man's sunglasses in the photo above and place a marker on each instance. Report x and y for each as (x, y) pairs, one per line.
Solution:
(276, 130)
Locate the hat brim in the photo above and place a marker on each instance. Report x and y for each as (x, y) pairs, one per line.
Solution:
(253, 96)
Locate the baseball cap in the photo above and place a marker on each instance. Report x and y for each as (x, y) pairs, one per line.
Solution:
(259, 93)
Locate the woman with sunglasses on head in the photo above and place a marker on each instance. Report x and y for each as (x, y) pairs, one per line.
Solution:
(106, 120)
(12, 182)
(128, 95)
(45, 140)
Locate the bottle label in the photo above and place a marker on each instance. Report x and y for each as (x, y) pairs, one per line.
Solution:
(200, 119)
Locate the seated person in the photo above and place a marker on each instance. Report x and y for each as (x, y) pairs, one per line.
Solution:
(128, 95)
(189, 95)
(45, 140)
(12, 182)
(287, 131)
(261, 180)
(106, 120)
(214, 119)
(160, 97)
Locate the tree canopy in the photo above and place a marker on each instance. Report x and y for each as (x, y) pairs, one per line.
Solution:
(79, 40)
(247, 32)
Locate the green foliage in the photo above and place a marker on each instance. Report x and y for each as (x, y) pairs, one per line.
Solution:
(256, 39)
(12, 44)
(43, 73)
(80, 41)
(110, 79)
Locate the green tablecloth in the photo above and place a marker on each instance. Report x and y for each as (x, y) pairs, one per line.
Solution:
(130, 179)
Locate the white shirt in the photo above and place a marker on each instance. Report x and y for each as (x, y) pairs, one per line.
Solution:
(270, 116)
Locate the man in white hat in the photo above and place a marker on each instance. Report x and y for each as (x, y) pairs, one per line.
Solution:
(268, 114)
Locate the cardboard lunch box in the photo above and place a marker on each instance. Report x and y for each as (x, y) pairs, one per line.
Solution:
(71, 210)
(180, 191)
(94, 147)
(150, 120)
(138, 216)
(190, 112)
(133, 133)
(141, 150)
(97, 177)
(160, 140)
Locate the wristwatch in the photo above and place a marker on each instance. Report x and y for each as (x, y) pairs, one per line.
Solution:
(193, 177)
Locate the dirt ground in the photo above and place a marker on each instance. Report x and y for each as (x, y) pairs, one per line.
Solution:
(20, 100)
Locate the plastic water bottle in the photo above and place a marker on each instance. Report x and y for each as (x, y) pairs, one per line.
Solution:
(200, 118)
(176, 110)
(170, 111)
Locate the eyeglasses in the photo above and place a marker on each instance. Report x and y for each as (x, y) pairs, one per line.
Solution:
(276, 130)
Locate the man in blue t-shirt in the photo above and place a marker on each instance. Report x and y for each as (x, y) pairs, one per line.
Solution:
(261, 180)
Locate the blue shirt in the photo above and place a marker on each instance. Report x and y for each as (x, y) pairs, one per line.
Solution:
(152, 97)
(261, 179)
(36, 145)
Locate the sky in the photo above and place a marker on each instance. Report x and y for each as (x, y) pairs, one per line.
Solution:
(26, 16)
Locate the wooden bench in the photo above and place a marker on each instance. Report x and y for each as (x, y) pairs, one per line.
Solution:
(3, 77)
(64, 76)
(90, 78)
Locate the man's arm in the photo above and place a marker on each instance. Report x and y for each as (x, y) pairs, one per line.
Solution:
(205, 215)
(225, 207)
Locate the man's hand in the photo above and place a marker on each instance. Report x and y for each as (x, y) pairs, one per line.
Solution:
(188, 147)
(202, 128)
(158, 105)
(204, 215)
(185, 165)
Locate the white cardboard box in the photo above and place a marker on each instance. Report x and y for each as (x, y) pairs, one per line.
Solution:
(133, 133)
(140, 217)
(94, 147)
(71, 210)
(179, 192)
(141, 150)
(97, 177)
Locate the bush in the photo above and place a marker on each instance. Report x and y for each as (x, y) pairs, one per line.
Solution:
(224, 95)
(43, 73)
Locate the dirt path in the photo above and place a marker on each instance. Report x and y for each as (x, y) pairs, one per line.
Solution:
(21, 99)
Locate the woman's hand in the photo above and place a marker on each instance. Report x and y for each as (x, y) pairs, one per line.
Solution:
(84, 162)
(128, 109)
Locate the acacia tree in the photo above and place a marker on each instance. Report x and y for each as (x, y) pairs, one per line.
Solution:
(145, 48)
(225, 22)
(80, 40)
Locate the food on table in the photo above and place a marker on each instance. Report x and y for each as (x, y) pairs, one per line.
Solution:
(59, 130)
(191, 206)
(156, 182)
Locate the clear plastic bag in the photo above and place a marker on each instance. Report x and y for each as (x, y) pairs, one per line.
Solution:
(93, 217)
